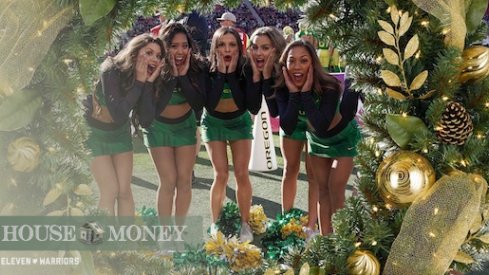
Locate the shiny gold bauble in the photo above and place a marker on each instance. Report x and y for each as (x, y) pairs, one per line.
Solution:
(404, 176)
(23, 154)
(363, 262)
(475, 63)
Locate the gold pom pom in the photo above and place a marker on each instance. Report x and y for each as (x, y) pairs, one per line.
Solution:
(258, 219)
(23, 154)
(404, 176)
(475, 63)
(363, 262)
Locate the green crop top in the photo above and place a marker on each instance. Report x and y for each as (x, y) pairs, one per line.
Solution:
(226, 92)
(177, 97)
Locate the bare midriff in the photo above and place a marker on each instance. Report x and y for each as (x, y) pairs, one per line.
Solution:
(226, 105)
(175, 111)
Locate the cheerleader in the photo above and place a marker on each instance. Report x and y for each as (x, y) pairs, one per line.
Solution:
(332, 133)
(291, 145)
(124, 80)
(168, 121)
(233, 94)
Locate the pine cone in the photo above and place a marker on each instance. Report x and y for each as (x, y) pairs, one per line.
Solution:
(455, 125)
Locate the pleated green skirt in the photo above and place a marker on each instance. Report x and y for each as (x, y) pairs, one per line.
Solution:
(109, 142)
(171, 134)
(216, 129)
(344, 144)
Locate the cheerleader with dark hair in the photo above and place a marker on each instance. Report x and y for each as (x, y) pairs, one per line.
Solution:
(168, 121)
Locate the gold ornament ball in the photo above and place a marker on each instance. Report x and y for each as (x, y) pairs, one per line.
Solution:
(363, 262)
(404, 176)
(23, 154)
(475, 63)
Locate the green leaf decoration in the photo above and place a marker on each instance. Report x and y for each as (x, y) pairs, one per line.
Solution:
(419, 80)
(390, 56)
(403, 128)
(386, 26)
(411, 47)
(405, 24)
(18, 110)
(474, 15)
(390, 78)
(93, 10)
(387, 38)
(24, 43)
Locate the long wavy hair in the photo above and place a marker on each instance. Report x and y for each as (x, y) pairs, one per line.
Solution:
(218, 34)
(167, 35)
(278, 42)
(126, 59)
(322, 81)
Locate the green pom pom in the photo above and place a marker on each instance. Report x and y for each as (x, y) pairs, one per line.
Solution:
(229, 222)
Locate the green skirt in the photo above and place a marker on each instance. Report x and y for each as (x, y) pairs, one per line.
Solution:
(109, 142)
(216, 129)
(299, 131)
(344, 144)
(161, 134)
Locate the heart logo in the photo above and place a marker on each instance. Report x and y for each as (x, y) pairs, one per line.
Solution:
(34, 260)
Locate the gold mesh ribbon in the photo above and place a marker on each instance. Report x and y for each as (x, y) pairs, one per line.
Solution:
(435, 226)
(27, 30)
(452, 15)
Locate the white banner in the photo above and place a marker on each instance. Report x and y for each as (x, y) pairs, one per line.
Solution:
(263, 156)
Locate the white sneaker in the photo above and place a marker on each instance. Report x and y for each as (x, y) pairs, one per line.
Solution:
(311, 233)
(246, 233)
(213, 230)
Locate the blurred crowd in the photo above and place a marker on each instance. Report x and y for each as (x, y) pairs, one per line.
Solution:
(248, 23)
(245, 21)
